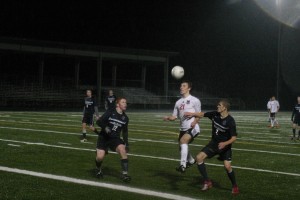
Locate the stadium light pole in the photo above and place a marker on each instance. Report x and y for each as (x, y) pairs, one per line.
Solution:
(278, 4)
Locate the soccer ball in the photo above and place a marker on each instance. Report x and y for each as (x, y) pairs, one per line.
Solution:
(177, 72)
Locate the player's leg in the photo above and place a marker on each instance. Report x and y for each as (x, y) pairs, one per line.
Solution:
(298, 129)
(184, 151)
(120, 149)
(83, 130)
(100, 154)
(91, 125)
(202, 169)
(272, 119)
(226, 156)
(294, 131)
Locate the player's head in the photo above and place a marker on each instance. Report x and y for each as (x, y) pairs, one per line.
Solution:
(298, 99)
(89, 93)
(185, 87)
(121, 103)
(273, 98)
(110, 92)
(223, 106)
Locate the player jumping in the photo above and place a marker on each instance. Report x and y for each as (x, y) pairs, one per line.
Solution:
(89, 110)
(189, 128)
(112, 122)
(296, 119)
(223, 135)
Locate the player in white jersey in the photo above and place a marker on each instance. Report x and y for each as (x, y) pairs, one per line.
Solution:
(189, 128)
(268, 108)
(274, 108)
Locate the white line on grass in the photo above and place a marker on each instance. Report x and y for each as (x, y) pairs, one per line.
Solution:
(14, 145)
(157, 141)
(153, 157)
(96, 184)
(64, 143)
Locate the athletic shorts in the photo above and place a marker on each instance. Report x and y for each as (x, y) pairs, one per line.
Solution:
(212, 149)
(272, 115)
(105, 142)
(192, 132)
(88, 119)
(296, 121)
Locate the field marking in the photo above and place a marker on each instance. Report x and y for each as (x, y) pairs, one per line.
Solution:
(64, 143)
(14, 145)
(150, 140)
(152, 157)
(96, 184)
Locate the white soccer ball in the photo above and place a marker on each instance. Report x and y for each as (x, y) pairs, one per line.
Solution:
(177, 72)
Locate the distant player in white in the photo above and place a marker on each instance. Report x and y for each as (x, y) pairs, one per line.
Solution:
(269, 107)
(189, 128)
(274, 108)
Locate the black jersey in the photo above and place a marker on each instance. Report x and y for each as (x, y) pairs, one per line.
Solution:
(90, 106)
(116, 122)
(296, 113)
(110, 102)
(222, 129)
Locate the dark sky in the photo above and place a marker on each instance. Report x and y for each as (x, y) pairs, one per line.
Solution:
(228, 46)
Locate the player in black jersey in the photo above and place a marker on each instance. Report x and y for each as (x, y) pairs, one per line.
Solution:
(90, 110)
(110, 101)
(223, 135)
(296, 119)
(112, 123)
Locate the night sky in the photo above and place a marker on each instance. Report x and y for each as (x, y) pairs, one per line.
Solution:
(230, 47)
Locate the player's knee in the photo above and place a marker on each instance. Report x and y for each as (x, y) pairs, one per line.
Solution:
(200, 157)
(228, 167)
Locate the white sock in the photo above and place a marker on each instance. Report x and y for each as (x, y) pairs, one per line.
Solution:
(272, 122)
(190, 158)
(183, 153)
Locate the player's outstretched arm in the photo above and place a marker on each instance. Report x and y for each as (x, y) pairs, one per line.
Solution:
(196, 114)
(169, 118)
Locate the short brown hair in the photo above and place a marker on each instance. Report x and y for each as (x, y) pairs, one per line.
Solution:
(225, 103)
(119, 99)
(189, 83)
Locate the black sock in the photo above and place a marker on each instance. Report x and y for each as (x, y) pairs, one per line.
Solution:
(84, 135)
(124, 165)
(202, 170)
(98, 164)
(294, 132)
(231, 176)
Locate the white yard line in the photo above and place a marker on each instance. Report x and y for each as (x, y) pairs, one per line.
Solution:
(64, 143)
(14, 145)
(95, 184)
(153, 157)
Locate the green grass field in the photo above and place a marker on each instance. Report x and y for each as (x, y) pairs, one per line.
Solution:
(266, 161)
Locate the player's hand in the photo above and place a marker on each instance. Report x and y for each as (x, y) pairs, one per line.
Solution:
(193, 124)
(97, 117)
(107, 130)
(127, 149)
(166, 118)
(222, 145)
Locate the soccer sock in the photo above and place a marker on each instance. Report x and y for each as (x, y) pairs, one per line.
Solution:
(190, 158)
(202, 170)
(124, 165)
(84, 133)
(98, 164)
(272, 122)
(184, 154)
(294, 132)
(231, 176)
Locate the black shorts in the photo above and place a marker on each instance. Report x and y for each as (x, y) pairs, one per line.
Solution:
(189, 131)
(272, 115)
(296, 121)
(88, 119)
(105, 142)
(212, 149)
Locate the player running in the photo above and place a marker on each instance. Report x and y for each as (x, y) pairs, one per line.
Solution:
(110, 101)
(274, 108)
(112, 122)
(223, 135)
(89, 110)
(189, 128)
(296, 119)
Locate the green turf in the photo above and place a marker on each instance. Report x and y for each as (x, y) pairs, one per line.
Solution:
(42, 137)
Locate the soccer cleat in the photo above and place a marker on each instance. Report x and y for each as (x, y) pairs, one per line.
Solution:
(207, 185)
(99, 173)
(126, 178)
(235, 190)
(180, 169)
(83, 140)
(189, 164)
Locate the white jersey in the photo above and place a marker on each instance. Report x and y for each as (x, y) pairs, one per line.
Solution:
(188, 104)
(274, 106)
(269, 105)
